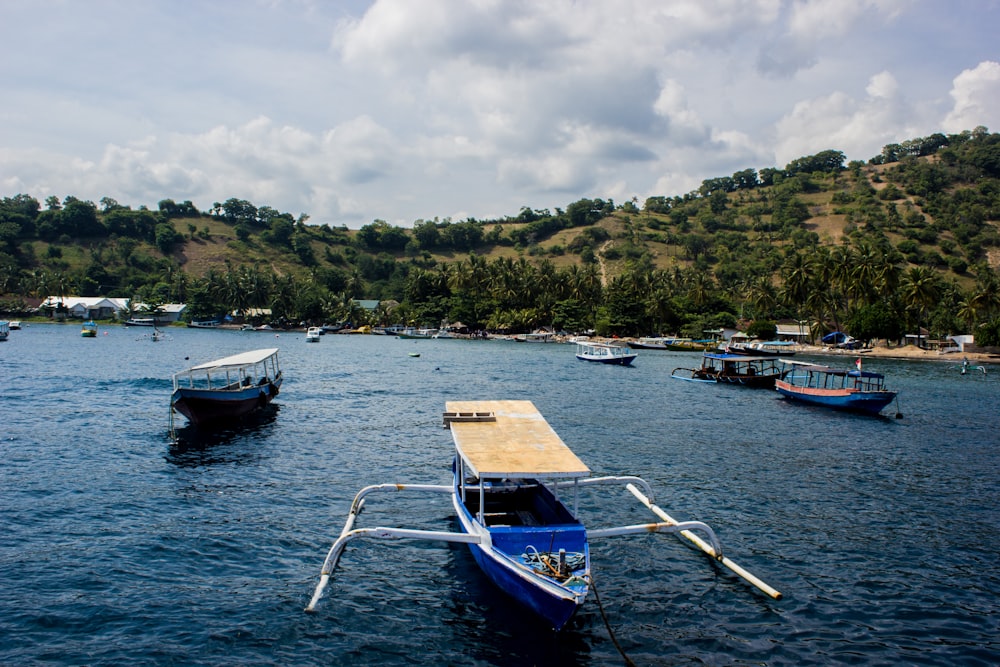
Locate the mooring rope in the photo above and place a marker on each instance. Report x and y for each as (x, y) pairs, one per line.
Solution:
(607, 624)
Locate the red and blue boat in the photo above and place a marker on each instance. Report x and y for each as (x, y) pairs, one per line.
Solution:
(854, 390)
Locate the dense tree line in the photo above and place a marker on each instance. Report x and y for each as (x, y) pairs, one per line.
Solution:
(920, 220)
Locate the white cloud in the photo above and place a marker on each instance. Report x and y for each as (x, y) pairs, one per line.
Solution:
(977, 98)
(401, 110)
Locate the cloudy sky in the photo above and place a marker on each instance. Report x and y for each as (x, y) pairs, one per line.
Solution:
(401, 110)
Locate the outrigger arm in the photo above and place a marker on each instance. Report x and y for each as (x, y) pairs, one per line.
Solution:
(665, 527)
(349, 533)
(382, 534)
(713, 550)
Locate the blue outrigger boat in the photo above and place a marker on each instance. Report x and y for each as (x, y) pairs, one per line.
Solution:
(510, 473)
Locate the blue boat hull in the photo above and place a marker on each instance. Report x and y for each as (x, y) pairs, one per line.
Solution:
(501, 561)
(867, 402)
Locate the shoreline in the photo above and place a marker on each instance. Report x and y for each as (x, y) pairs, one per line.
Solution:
(907, 352)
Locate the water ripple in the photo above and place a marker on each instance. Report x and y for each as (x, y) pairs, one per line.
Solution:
(122, 548)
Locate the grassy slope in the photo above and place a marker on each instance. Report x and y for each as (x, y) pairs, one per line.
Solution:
(196, 255)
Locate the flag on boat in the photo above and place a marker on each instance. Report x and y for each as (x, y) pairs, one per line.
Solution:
(858, 363)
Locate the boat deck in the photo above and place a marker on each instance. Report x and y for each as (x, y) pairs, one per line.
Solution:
(509, 439)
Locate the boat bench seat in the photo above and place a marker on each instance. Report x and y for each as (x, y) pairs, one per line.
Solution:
(513, 518)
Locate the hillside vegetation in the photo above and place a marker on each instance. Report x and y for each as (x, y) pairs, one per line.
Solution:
(907, 240)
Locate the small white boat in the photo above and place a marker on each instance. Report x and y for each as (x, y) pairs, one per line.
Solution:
(605, 353)
(417, 333)
(515, 491)
(313, 334)
(536, 337)
(15, 325)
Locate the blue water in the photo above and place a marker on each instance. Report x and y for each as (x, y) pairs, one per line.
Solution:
(117, 547)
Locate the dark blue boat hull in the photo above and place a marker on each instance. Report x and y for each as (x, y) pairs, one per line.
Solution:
(208, 406)
(501, 562)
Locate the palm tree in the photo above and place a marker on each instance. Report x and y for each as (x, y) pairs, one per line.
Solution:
(865, 277)
(798, 279)
(986, 295)
(762, 296)
(921, 287)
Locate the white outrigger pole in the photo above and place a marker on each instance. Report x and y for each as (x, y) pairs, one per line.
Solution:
(712, 548)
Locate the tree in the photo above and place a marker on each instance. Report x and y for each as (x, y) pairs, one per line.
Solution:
(762, 329)
(877, 320)
(920, 289)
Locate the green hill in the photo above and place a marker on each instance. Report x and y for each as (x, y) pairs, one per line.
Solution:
(908, 239)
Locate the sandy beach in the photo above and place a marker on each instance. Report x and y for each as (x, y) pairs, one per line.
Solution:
(903, 352)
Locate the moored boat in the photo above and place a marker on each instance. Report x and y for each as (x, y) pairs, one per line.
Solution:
(416, 333)
(514, 490)
(227, 388)
(689, 345)
(604, 353)
(536, 337)
(849, 390)
(204, 324)
(766, 348)
(738, 369)
(650, 343)
(141, 322)
(313, 334)
(89, 329)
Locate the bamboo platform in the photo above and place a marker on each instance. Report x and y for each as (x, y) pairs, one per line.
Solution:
(509, 439)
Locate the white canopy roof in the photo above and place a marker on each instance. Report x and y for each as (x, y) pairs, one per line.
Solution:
(241, 359)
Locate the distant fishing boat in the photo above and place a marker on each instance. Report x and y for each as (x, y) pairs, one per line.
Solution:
(89, 329)
(689, 345)
(766, 348)
(604, 353)
(227, 388)
(416, 333)
(515, 491)
(536, 337)
(313, 334)
(738, 369)
(141, 322)
(650, 343)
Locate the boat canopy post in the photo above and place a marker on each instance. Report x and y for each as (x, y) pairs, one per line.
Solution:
(715, 554)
